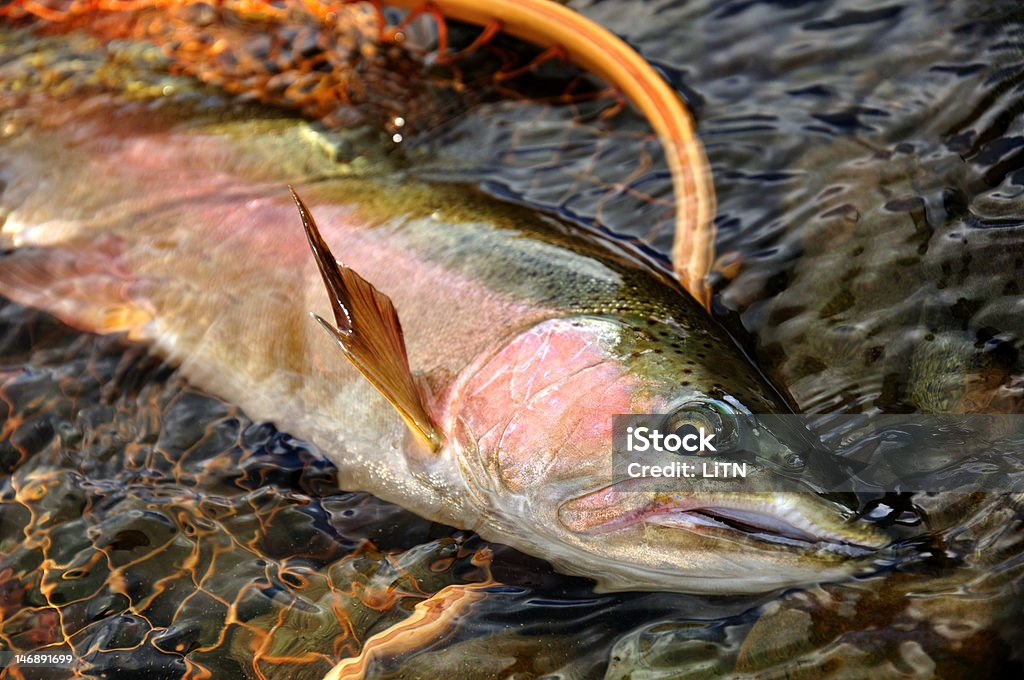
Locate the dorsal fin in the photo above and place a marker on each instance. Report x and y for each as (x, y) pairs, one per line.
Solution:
(369, 333)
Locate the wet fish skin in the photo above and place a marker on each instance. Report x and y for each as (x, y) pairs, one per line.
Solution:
(526, 338)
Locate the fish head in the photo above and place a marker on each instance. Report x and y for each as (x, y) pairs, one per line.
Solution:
(533, 430)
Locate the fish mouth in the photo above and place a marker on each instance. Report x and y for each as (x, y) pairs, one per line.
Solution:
(794, 520)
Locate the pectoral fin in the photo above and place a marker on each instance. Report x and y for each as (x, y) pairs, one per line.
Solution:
(369, 333)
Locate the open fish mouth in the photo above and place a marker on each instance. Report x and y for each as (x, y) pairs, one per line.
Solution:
(800, 521)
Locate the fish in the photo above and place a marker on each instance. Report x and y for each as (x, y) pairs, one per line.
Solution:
(476, 351)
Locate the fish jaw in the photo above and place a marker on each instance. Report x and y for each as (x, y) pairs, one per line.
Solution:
(711, 540)
(800, 520)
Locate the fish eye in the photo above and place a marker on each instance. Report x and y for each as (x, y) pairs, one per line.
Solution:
(794, 461)
(709, 416)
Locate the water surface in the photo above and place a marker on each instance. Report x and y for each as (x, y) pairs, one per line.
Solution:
(868, 162)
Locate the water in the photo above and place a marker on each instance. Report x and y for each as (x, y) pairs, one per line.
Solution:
(868, 164)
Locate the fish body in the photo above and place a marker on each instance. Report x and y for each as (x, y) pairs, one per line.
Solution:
(524, 339)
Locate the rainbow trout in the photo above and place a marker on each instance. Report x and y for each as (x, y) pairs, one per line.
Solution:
(490, 406)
